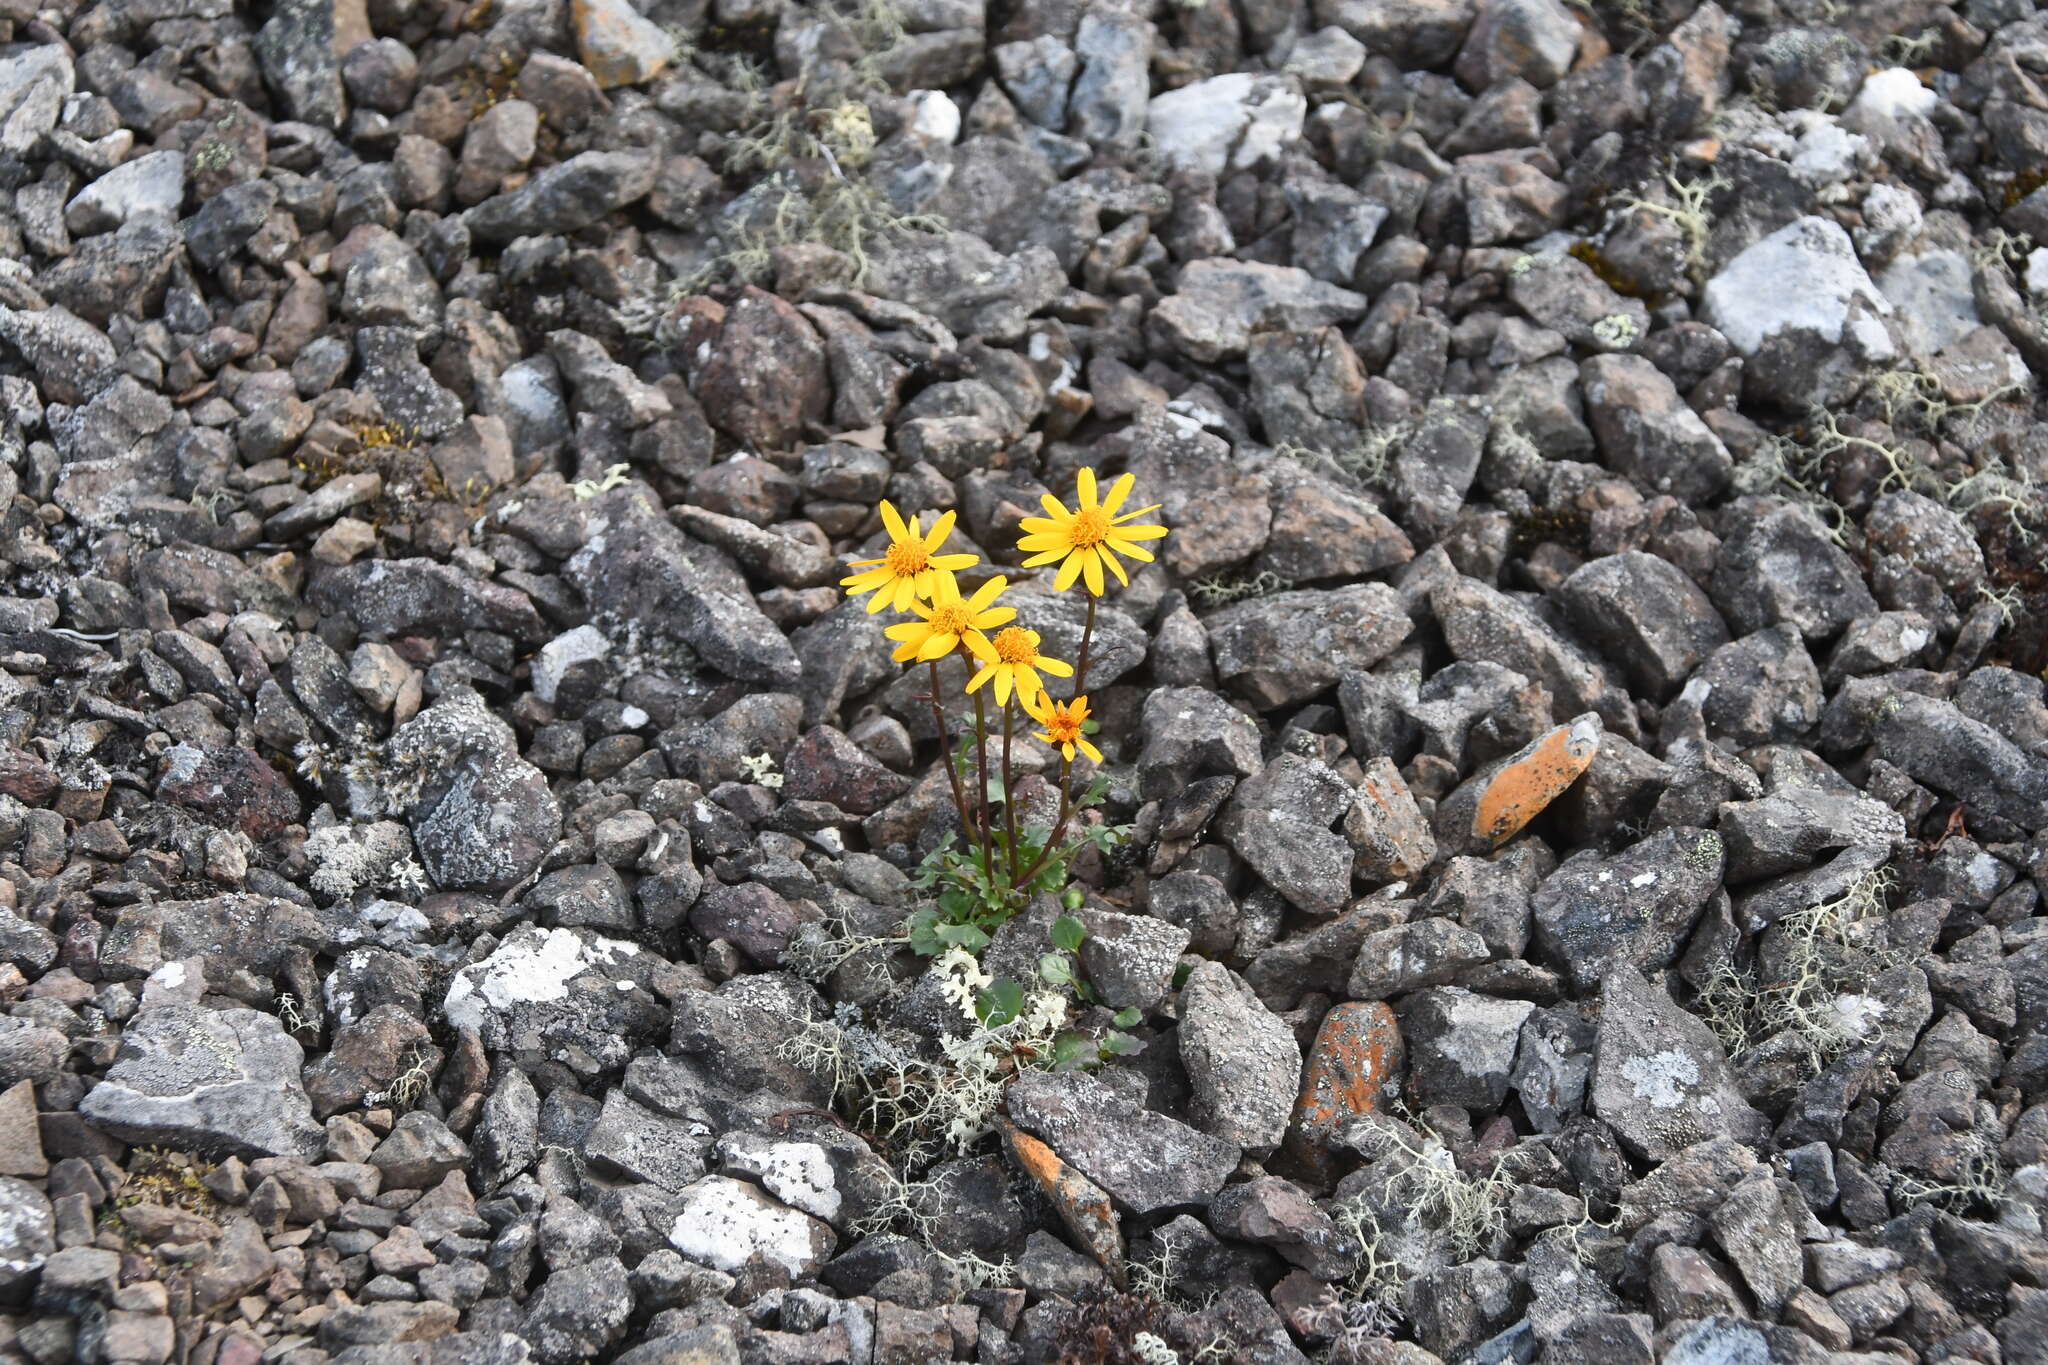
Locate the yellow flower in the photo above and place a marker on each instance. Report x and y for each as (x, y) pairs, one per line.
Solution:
(1012, 659)
(1062, 721)
(949, 619)
(910, 568)
(1088, 537)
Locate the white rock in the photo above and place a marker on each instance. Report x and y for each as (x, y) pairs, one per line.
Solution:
(936, 116)
(2037, 271)
(561, 654)
(1230, 122)
(525, 970)
(1931, 290)
(155, 181)
(1888, 96)
(33, 84)
(726, 1222)
(1800, 278)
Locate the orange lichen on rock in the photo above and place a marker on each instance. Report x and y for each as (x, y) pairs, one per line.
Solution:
(1357, 1053)
(1083, 1205)
(1532, 779)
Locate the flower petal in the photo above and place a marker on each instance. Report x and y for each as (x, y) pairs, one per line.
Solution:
(941, 528)
(1133, 516)
(1094, 754)
(980, 647)
(1091, 570)
(908, 630)
(1004, 682)
(1118, 491)
(1055, 508)
(1055, 666)
(1045, 557)
(1084, 484)
(993, 617)
(985, 595)
(1138, 532)
(937, 646)
(1040, 524)
(1045, 540)
(975, 682)
(1116, 567)
(1069, 571)
(892, 521)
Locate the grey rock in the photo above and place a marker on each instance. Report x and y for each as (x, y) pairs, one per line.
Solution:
(301, 61)
(1648, 432)
(1190, 732)
(566, 197)
(73, 360)
(407, 391)
(578, 1313)
(1483, 623)
(1777, 564)
(27, 1236)
(1760, 689)
(34, 81)
(1279, 821)
(1106, 108)
(1417, 34)
(1461, 1045)
(387, 284)
(1562, 293)
(550, 994)
(1239, 121)
(724, 1223)
(1037, 74)
(1936, 744)
(1147, 1162)
(1926, 536)
(1786, 830)
(636, 1143)
(1801, 310)
(1242, 1060)
(1289, 646)
(152, 182)
(1278, 1213)
(969, 286)
(1210, 318)
(1636, 908)
(648, 577)
(1409, 957)
(1435, 465)
(1646, 616)
(1129, 960)
(207, 1080)
(1660, 1078)
(1534, 40)
(486, 823)
(1552, 1064)
(1760, 1238)
(418, 1153)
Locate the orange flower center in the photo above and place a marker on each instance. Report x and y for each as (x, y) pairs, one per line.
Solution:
(906, 558)
(950, 619)
(1063, 725)
(1015, 645)
(1090, 528)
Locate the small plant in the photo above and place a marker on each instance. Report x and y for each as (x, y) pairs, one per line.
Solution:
(615, 476)
(175, 1180)
(1804, 992)
(1221, 589)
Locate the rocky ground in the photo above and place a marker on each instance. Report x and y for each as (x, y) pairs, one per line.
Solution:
(1575, 810)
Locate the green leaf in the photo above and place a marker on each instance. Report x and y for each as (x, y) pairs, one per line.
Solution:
(1000, 1003)
(1053, 969)
(1073, 898)
(1115, 1044)
(1067, 933)
(995, 789)
(1070, 1050)
(1129, 1017)
(962, 936)
(956, 903)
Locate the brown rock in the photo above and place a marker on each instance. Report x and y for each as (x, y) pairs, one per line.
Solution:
(1083, 1205)
(1357, 1051)
(766, 377)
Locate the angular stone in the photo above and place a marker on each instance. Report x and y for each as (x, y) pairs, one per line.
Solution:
(1660, 1078)
(1597, 913)
(1147, 1162)
(1357, 1052)
(1279, 822)
(1287, 647)
(207, 1080)
(1650, 619)
(1242, 1059)
(724, 1223)
(1461, 1046)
